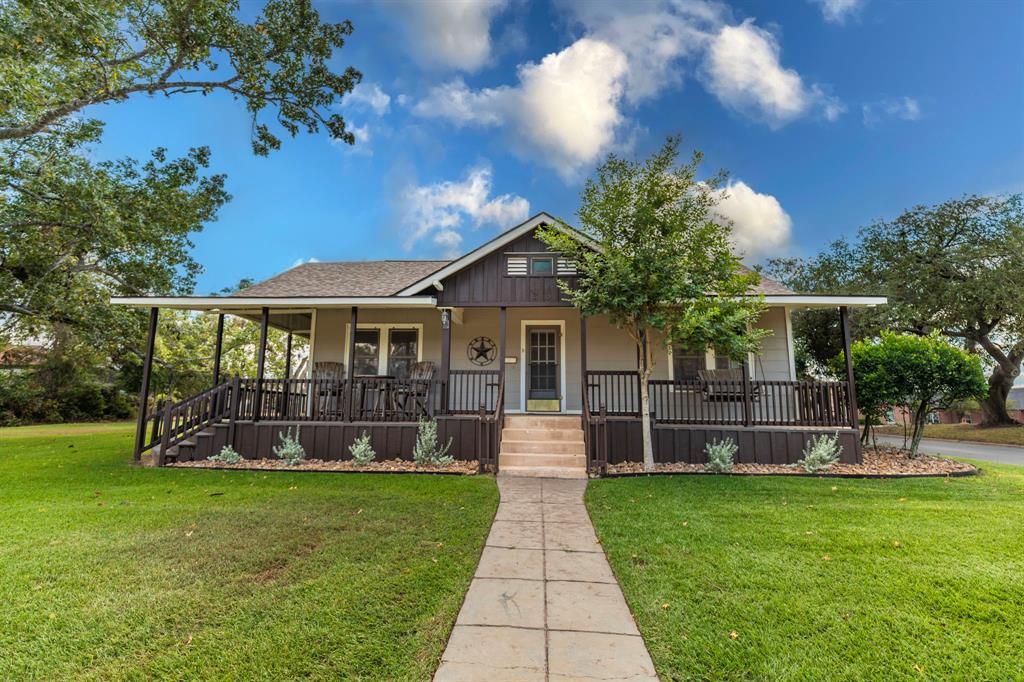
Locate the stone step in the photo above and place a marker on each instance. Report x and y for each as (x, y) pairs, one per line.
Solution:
(533, 421)
(544, 434)
(543, 472)
(559, 447)
(534, 459)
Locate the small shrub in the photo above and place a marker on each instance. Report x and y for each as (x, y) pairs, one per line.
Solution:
(721, 455)
(820, 454)
(362, 451)
(290, 449)
(227, 455)
(427, 452)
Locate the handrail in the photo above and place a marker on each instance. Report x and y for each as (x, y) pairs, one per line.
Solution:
(176, 422)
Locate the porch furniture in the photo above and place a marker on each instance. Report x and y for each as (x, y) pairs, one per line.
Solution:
(329, 377)
(725, 384)
(413, 395)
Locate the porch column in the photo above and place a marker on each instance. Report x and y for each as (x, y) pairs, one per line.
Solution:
(261, 362)
(583, 360)
(350, 371)
(446, 356)
(218, 348)
(147, 368)
(844, 322)
(502, 334)
(288, 357)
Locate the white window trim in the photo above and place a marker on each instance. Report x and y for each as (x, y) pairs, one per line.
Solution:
(709, 361)
(383, 340)
(523, 324)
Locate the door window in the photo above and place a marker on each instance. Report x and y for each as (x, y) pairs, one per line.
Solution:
(402, 352)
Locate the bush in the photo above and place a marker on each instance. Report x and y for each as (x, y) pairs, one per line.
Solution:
(821, 453)
(721, 455)
(290, 449)
(426, 452)
(362, 451)
(227, 455)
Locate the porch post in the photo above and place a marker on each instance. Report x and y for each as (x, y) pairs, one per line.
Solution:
(583, 359)
(147, 368)
(351, 370)
(218, 348)
(261, 362)
(446, 356)
(502, 333)
(288, 358)
(844, 322)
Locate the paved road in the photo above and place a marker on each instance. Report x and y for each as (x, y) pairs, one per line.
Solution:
(1005, 454)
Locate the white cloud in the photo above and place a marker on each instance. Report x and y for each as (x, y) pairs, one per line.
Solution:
(451, 33)
(565, 108)
(742, 69)
(439, 212)
(838, 11)
(370, 96)
(760, 225)
(903, 108)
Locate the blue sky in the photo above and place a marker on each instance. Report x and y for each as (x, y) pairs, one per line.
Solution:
(827, 114)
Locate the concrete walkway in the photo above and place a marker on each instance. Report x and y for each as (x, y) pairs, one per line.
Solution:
(544, 604)
(1005, 454)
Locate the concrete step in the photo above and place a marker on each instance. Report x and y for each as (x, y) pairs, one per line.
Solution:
(534, 421)
(543, 472)
(543, 434)
(528, 459)
(554, 447)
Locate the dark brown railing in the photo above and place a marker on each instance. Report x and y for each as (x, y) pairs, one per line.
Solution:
(173, 423)
(722, 401)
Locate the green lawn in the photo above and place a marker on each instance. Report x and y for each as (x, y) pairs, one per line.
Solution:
(1003, 435)
(924, 579)
(109, 571)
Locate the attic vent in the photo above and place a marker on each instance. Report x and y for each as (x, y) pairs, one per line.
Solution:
(517, 266)
(566, 267)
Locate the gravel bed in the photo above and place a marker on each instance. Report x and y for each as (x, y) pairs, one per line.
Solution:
(462, 467)
(881, 461)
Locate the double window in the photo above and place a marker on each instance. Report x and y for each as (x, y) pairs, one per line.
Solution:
(401, 351)
(687, 361)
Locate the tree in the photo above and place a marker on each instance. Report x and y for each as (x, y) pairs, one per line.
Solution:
(953, 267)
(59, 57)
(920, 373)
(657, 261)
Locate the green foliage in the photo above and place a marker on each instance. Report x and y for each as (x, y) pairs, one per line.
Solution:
(920, 373)
(721, 455)
(820, 453)
(227, 455)
(658, 261)
(290, 450)
(427, 451)
(58, 58)
(362, 451)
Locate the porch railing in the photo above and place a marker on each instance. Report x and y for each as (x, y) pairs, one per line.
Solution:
(173, 423)
(722, 401)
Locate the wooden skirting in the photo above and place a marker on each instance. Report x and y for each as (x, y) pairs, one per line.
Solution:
(685, 443)
(330, 440)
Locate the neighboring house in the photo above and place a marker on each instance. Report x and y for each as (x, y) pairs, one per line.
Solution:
(487, 345)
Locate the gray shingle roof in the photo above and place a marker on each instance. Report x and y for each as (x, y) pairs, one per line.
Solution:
(345, 278)
(376, 278)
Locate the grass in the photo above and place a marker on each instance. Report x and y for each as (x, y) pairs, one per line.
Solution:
(821, 578)
(1003, 435)
(110, 571)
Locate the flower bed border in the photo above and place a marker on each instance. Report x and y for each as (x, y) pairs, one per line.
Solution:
(949, 474)
(317, 470)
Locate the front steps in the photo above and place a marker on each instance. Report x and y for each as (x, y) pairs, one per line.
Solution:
(542, 446)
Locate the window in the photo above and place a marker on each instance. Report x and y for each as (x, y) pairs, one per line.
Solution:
(723, 361)
(542, 266)
(402, 352)
(686, 362)
(367, 351)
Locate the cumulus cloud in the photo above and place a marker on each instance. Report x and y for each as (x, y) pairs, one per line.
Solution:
(760, 225)
(902, 108)
(369, 96)
(451, 34)
(440, 212)
(743, 71)
(838, 11)
(566, 108)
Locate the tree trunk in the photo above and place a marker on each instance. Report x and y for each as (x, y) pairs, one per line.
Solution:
(994, 406)
(920, 414)
(644, 371)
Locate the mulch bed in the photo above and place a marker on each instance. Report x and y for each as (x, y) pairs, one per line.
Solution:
(458, 467)
(878, 462)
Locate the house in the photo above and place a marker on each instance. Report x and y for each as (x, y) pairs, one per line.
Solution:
(488, 346)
